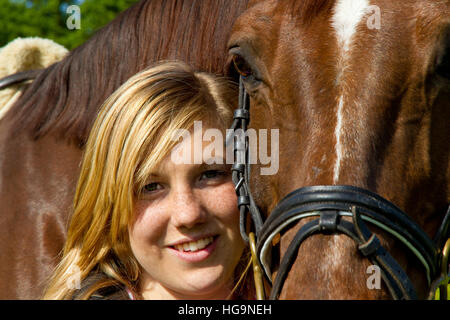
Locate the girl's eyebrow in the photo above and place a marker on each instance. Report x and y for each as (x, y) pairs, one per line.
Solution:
(220, 161)
(214, 162)
(214, 166)
(152, 176)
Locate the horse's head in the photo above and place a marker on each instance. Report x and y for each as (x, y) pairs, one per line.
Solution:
(359, 91)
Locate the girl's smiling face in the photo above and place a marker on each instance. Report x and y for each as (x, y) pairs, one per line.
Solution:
(185, 233)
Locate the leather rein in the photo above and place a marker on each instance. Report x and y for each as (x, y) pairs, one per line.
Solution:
(17, 78)
(336, 209)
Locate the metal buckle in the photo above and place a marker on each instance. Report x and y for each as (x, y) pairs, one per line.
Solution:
(442, 282)
(257, 274)
(444, 271)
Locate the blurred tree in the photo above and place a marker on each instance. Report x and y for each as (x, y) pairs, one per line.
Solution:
(48, 19)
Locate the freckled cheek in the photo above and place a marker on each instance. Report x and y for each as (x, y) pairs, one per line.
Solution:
(227, 212)
(222, 202)
(149, 226)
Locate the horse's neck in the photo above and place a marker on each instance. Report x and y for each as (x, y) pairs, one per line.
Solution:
(36, 191)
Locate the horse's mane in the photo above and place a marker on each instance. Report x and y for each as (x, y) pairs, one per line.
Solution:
(64, 98)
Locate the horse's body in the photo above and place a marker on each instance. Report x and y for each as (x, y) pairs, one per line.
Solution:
(41, 138)
(355, 103)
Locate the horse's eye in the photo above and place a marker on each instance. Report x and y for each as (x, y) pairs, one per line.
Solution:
(242, 66)
(443, 64)
(443, 58)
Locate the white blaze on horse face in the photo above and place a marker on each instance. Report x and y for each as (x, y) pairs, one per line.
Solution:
(348, 14)
(337, 133)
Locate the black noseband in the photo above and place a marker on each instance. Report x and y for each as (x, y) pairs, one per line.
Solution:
(329, 204)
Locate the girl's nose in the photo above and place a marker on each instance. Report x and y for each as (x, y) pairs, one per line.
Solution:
(187, 210)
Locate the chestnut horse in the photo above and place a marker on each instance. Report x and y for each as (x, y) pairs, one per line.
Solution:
(42, 135)
(360, 93)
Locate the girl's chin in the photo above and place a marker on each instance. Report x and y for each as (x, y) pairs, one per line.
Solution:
(203, 286)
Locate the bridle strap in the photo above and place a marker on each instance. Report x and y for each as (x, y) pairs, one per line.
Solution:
(18, 77)
(241, 167)
(241, 180)
(363, 206)
(443, 232)
(397, 281)
(308, 201)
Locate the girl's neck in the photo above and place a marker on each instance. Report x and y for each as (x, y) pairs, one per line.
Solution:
(155, 291)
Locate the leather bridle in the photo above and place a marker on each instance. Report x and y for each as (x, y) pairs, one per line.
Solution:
(18, 77)
(336, 209)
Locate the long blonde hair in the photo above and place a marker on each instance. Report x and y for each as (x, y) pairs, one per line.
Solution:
(130, 136)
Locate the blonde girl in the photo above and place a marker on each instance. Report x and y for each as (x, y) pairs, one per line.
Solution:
(144, 226)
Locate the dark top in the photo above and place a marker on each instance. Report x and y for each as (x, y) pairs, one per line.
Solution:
(113, 292)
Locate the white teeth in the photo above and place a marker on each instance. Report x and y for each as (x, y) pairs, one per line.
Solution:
(194, 245)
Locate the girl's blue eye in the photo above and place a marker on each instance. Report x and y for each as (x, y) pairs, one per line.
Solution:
(152, 187)
(211, 174)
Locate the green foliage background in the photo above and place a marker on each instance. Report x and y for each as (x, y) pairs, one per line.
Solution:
(47, 19)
